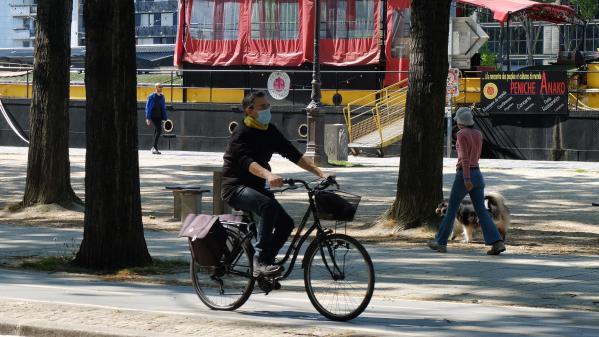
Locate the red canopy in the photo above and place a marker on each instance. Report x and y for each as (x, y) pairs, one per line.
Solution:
(504, 9)
(240, 47)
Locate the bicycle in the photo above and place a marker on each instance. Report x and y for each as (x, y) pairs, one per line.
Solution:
(338, 271)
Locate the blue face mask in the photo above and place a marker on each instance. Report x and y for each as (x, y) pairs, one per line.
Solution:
(264, 116)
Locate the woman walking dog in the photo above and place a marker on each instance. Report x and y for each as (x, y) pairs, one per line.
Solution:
(468, 180)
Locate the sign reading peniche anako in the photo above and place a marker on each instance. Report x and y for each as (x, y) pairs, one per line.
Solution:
(526, 92)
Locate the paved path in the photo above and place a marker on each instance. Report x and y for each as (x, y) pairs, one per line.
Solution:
(143, 309)
(416, 273)
(419, 292)
(554, 193)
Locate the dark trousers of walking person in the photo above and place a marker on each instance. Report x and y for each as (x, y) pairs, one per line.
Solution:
(477, 195)
(157, 131)
(274, 226)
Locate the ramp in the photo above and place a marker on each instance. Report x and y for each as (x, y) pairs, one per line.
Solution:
(390, 134)
(377, 123)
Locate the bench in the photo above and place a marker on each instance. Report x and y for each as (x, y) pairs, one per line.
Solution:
(186, 199)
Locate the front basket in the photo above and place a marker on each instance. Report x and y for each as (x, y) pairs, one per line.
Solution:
(336, 205)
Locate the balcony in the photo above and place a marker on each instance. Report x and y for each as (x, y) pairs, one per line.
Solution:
(22, 34)
(155, 31)
(23, 10)
(22, 2)
(156, 7)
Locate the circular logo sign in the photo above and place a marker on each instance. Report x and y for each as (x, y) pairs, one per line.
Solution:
(490, 90)
(278, 85)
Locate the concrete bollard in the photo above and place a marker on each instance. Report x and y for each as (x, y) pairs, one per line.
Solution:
(335, 142)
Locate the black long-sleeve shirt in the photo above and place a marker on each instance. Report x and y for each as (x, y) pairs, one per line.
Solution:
(249, 145)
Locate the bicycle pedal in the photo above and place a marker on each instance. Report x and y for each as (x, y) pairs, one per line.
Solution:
(264, 285)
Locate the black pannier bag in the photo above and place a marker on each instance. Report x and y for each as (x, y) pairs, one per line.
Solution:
(336, 205)
(207, 238)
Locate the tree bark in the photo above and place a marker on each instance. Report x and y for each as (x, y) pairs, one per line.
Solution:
(113, 235)
(527, 25)
(419, 187)
(48, 166)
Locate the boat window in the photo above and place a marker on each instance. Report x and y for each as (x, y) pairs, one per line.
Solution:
(214, 19)
(275, 20)
(347, 19)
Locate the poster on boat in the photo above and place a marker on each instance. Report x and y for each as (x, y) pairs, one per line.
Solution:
(524, 92)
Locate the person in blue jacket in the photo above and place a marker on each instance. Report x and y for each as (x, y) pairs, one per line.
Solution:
(156, 113)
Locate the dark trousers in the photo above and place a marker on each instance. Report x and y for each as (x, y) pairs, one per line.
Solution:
(157, 131)
(275, 224)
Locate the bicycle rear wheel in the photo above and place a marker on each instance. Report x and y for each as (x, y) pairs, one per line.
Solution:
(339, 277)
(229, 285)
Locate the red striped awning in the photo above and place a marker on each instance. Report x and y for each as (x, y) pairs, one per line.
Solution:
(503, 10)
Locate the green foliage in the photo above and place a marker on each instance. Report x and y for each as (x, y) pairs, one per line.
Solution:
(79, 78)
(53, 263)
(586, 8)
(159, 267)
(62, 263)
(48, 263)
(487, 58)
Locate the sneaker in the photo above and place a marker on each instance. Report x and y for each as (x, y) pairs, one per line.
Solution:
(497, 248)
(434, 245)
(263, 269)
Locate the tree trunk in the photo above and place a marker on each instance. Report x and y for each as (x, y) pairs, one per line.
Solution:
(113, 234)
(48, 166)
(527, 25)
(419, 187)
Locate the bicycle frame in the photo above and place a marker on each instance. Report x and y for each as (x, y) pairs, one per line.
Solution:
(299, 239)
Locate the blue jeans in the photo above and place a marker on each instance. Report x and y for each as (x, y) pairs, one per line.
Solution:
(477, 195)
(275, 224)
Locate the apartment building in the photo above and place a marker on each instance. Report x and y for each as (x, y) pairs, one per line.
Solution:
(155, 22)
(17, 23)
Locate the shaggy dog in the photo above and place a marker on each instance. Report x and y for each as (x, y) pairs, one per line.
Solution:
(468, 220)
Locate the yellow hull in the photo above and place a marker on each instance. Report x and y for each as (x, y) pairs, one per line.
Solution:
(194, 95)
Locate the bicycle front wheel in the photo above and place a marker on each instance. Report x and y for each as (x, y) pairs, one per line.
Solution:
(339, 277)
(229, 285)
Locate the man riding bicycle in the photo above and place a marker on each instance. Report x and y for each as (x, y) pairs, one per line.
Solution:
(246, 169)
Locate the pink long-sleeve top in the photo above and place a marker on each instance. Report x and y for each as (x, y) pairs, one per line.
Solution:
(469, 146)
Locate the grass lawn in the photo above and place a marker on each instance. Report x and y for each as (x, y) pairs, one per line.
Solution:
(79, 78)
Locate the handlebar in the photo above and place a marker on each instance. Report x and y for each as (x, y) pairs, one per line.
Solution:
(329, 181)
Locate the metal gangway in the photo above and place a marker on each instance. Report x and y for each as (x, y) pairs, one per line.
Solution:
(376, 121)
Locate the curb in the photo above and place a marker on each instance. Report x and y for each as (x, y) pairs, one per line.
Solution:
(41, 330)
